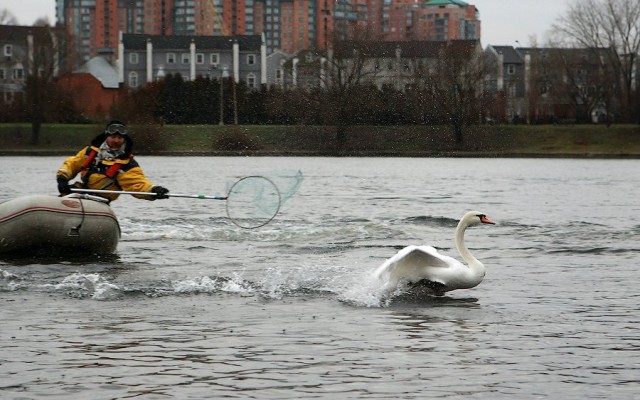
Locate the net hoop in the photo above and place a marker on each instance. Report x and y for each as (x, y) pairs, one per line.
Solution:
(253, 201)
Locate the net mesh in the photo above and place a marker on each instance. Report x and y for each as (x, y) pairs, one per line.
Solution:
(253, 201)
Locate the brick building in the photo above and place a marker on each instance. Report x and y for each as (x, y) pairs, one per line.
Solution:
(287, 25)
(95, 87)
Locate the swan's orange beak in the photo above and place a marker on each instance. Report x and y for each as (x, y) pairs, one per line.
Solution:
(486, 220)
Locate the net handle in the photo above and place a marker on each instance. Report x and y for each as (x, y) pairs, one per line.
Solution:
(189, 196)
(228, 198)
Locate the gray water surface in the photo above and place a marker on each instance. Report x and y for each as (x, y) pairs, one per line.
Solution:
(192, 306)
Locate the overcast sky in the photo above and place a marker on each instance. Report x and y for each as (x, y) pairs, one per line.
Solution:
(503, 21)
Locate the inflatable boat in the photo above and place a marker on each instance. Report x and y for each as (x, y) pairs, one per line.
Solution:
(74, 224)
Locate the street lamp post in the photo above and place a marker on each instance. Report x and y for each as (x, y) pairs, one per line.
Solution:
(220, 79)
(235, 103)
(221, 101)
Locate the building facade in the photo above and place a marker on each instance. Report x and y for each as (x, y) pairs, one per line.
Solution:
(398, 65)
(506, 83)
(94, 25)
(276, 69)
(26, 50)
(401, 64)
(445, 20)
(552, 85)
(148, 58)
(287, 25)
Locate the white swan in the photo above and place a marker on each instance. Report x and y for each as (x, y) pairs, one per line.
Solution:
(425, 266)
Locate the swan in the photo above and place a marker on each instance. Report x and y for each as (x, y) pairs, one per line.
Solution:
(424, 266)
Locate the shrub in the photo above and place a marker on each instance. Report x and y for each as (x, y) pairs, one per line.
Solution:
(149, 138)
(234, 139)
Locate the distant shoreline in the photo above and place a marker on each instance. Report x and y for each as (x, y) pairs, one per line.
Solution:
(483, 141)
(47, 153)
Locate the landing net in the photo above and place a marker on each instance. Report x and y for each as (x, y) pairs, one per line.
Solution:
(253, 201)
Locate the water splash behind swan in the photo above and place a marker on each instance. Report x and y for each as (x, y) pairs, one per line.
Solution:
(423, 265)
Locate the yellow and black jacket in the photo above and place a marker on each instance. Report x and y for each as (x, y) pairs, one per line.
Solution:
(122, 173)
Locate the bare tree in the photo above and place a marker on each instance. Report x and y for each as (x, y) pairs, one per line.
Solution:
(569, 83)
(43, 67)
(347, 69)
(587, 81)
(547, 96)
(6, 18)
(611, 24)
(42, 21)
(454, 84)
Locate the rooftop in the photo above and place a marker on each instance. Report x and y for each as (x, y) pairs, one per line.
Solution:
(104, 72)
(138, 41)
(444, 2)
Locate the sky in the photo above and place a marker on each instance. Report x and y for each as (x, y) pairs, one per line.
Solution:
(504, 22)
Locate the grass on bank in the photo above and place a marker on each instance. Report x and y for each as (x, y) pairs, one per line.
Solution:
(320, 140)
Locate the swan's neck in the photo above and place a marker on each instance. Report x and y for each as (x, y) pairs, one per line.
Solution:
(473, 263)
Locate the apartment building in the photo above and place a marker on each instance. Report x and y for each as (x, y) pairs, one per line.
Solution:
(287, 25)
(445, 20)
(94, 25)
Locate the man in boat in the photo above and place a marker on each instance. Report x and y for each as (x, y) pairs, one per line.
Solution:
(107, 164)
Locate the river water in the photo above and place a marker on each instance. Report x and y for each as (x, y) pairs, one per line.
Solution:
(192, 306)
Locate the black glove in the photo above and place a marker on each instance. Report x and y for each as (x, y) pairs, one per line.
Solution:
(63, 186)
(161, 193)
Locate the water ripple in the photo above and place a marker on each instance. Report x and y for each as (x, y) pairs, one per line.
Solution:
(194, 307)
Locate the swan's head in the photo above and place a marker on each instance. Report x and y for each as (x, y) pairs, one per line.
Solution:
(473, 218)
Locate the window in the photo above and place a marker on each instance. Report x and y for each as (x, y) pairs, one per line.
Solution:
(133, 79)
(8, 97)
(185, 58)
(544, 89)
(8, 50)
(511, 69)
(2, 74)
(214, 58)
(133, 58)
(18, 73)
(171, 58)
(200, 58)
(251, 59)
(251, 81)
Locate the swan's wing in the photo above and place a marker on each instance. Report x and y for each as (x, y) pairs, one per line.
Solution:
(426, 256)
(414, 263)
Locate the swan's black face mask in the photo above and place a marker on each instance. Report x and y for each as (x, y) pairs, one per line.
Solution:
(485, 220)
